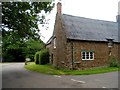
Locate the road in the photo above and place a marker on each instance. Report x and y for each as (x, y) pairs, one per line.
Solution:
(15, 76)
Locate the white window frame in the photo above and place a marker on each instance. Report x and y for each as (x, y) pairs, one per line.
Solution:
(86, 55)
(54, 42)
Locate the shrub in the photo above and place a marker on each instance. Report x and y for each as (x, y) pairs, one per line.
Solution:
(113, 62)
(44, 57)
(37, 57)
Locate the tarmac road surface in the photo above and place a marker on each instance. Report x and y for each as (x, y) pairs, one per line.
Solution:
(14, 75)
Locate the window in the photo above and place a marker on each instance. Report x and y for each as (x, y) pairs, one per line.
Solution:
(87, 55)
(54, 42)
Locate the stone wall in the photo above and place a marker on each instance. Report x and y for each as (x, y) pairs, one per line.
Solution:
(101, 54)
(59, 53)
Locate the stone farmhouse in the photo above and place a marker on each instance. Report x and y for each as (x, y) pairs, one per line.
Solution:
(82, 43)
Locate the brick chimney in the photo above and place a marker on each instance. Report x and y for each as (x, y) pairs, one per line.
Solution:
(59, 8)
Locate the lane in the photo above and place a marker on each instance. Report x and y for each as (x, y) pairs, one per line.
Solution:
(15, 76)
(106, 80)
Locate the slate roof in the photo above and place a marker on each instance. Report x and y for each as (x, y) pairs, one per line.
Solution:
(80, 28)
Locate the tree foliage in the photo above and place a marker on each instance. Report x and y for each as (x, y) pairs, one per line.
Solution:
(32, 46)
(20, 50)
(22, 18)
(20, 21)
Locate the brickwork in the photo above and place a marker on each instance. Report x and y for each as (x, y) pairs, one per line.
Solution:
(59, 53)
(101, 54)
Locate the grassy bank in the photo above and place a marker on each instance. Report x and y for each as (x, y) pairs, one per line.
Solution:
(48, 69)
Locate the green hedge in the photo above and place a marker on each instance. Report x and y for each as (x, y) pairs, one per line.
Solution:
(36, 57)
(42, 57)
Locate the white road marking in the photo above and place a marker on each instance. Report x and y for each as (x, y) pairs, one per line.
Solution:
(104, 87)
(57, 76)
(77, 81)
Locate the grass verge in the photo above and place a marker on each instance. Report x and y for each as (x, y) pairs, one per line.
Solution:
(48, 69)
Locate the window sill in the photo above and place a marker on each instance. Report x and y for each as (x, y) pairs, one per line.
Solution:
(87, 59)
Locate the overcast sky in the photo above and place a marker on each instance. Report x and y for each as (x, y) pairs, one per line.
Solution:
(95, 9)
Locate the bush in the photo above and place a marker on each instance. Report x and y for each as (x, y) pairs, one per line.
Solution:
(113, 62)
(36, 57)
(42, 57)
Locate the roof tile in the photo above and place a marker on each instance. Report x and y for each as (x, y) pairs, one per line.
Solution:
(80, 28)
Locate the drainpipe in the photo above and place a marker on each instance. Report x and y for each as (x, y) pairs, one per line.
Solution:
(72, 62)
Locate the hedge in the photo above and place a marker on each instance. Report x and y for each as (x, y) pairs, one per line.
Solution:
(36, 57)
(42, 57)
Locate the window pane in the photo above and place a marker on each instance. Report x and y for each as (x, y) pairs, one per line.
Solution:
(83, 55)
(91, 55)
(87, 55)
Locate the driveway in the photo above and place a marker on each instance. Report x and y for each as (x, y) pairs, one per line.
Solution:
(15, 76)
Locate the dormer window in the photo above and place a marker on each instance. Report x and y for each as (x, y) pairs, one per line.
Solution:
(54, 42)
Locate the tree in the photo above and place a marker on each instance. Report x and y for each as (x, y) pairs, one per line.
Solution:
(22, 18)
(32, 46)
(20, 28)
(13, 50)
(19, 50)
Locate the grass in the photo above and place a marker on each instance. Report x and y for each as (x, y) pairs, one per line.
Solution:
(48, 69)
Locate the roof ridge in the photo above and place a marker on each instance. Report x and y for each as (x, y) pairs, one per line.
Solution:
(89, 18)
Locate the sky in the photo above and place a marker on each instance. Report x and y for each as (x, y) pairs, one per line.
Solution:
(94, 9)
